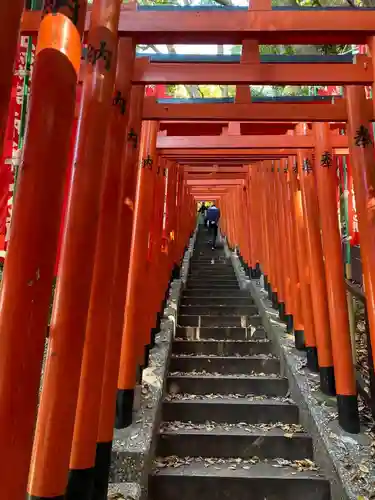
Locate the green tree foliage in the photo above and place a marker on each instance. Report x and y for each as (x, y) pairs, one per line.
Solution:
(182, 91)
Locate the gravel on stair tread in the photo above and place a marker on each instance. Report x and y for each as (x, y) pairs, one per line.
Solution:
(205, 340)
(227, 400)
(243, 467)
(275, 428)
(204, 373)
(232, 356)
(248, 397)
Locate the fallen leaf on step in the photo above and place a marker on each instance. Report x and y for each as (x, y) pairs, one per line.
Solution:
(363, 468)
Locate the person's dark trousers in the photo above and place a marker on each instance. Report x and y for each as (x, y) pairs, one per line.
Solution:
(214, 230)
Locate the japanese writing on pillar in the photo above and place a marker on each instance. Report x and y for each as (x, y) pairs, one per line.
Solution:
(119, 101)
(23, 68)
(55, 6)
(295, 168)
(147, 162)
(307, 167)
(132, 136)
(326, 159)
(362, 137)
(94, 54)
(355, 227)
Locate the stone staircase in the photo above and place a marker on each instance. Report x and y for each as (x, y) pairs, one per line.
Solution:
(229, 428)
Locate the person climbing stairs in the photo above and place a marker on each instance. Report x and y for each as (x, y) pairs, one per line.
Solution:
(229, 427)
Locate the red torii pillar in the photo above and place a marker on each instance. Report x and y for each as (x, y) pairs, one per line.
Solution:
(338, 313)
(129, 171)
(82, 461)
(28, 272)
(10, 15)
(68, 325)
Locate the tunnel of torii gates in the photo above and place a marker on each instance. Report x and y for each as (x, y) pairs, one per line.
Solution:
(139, 167)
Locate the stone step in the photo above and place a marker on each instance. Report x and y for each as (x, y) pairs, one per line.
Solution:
(199, 480)
(218, 310)
(210, 440)
(211, 267)
(215, 301)
(219, 321)
(212, 270)
(225, 364)
(227, 384)
(211, 276)
(208, 257)
(217, 333)
(215, 292)
(221, 348)
(230, 410)
(198, 283)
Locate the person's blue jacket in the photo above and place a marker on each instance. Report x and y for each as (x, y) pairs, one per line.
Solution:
(213, 214)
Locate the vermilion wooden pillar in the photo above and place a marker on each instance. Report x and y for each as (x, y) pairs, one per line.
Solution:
(279, 299)
(171, 213)
(290, 263)
(10, 15)
(129, 171)
(82, 459)
(317, 276)
(363, 167)
(165, 247)
(341, 345)
(136, 309)
(68, 324)
(294, 319)
(28, 274)
(269, 222)
(250, 224)
(263, 189)
(303, 267)
(154, 263)
(284, 308)
(247, 226)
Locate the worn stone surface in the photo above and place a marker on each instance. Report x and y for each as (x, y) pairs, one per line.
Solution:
(347, 460)
(124, 491)
(133, 447)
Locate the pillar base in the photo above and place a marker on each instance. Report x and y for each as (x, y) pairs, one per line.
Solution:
(281, 308)
(176, 272)
(265, 281)
(124, 408)
(32, 497)
(257, 272)
(153, 334)
(146, 361)
(101, 471)
(327, 380)
(312, 359)
(299, 340)
(275, 302)
(348, 413)
(138, 375)
(289, 323)
(269, 291)
(80, 484)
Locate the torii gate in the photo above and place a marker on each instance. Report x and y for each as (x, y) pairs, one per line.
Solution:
(270, 156)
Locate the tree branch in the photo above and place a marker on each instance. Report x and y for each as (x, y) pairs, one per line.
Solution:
(225, 3)
(150, 46)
